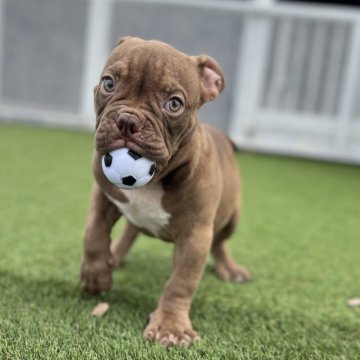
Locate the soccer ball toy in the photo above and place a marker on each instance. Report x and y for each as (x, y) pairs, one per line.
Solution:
(127, 169)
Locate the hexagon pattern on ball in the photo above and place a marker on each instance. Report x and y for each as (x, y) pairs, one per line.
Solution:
(127, 169)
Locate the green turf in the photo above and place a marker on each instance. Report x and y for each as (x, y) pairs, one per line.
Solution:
(299, 236)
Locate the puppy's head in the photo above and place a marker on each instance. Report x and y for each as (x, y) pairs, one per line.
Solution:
(148, 97)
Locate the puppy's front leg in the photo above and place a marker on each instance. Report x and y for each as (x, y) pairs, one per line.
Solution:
(97, 263)
(170, 322)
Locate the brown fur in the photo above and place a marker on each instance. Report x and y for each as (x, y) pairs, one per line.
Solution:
(196, 171)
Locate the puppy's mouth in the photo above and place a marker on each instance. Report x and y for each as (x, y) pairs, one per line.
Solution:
(127, 132)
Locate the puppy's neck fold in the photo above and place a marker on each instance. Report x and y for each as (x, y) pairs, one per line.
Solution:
(183, 165)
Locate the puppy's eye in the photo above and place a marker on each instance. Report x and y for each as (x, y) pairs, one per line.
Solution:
(174, 104)
(108, 84)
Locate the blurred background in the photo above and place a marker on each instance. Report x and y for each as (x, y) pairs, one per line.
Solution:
(291, 68)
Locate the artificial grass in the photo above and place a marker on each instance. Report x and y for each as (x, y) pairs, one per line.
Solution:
(299, 236)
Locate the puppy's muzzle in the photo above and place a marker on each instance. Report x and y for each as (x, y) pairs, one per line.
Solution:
(128, 124)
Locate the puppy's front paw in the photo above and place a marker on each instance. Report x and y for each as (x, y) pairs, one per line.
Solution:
(96, 275)
(170, 329)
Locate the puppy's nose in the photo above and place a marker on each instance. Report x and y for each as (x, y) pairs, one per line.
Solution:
(128, 124)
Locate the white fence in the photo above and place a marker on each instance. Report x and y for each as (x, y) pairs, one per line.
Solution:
(298, 88)
(292, 71)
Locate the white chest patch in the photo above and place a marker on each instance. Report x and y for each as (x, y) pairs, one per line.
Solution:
(144, 208)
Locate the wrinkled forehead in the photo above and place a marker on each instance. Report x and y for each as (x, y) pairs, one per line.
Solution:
(153, 63)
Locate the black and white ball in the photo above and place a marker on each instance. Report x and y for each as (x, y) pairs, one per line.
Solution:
(127, 169)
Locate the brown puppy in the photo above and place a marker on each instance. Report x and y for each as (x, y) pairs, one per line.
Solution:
(147, 100)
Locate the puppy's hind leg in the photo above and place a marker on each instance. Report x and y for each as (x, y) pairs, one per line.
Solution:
(225, 266)
(120, 248)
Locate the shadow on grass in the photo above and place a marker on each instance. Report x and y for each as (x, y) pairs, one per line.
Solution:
(137, 286)
(53, 300)
(48, 293)
(136, 290)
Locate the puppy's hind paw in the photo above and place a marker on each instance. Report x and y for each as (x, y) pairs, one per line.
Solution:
(234, 273)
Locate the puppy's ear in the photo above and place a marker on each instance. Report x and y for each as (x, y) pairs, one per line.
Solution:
(128, 38)
(211, 77)
(123, 39)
